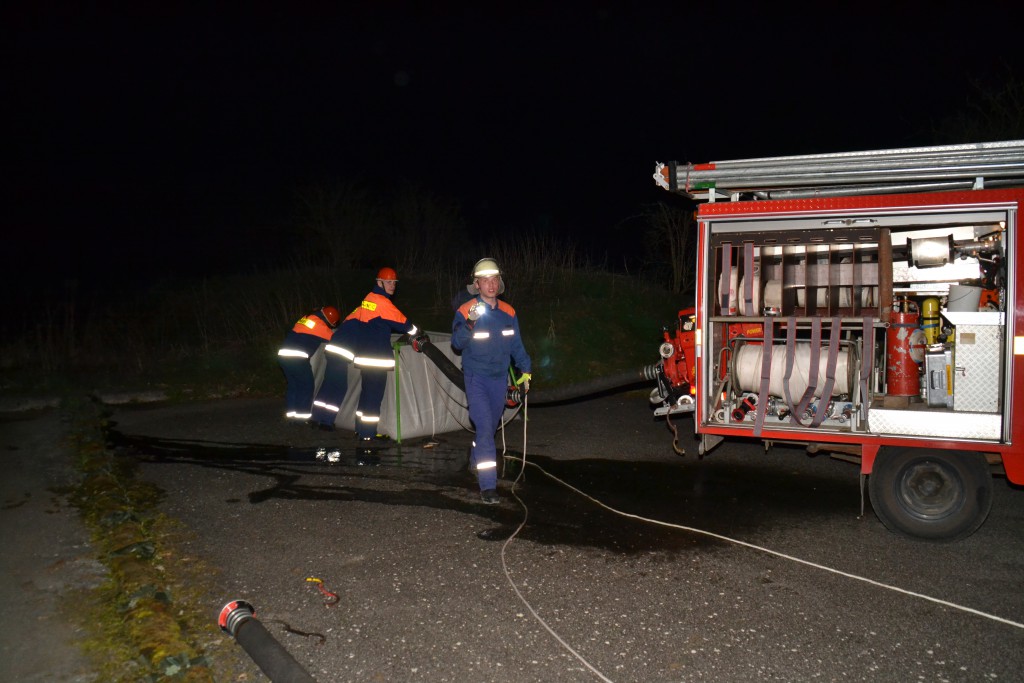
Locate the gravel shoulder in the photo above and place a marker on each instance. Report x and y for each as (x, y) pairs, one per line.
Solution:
(48, 566)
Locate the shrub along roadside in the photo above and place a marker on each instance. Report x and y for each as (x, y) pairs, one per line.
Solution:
(146, 622)
(218, 337)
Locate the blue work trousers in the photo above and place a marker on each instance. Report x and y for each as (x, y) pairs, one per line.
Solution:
(486, 398)
(332, 389)
(299, 395)
(374, 381)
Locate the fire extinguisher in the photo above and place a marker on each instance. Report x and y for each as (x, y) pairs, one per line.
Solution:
(904, 349)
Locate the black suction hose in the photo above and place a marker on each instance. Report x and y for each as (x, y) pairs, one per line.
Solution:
(542, 396)
(238, 618)
(588, 388)
(443, 363)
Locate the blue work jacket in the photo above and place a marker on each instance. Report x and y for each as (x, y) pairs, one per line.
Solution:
(365, 336)
(492, 343)
(306, 335)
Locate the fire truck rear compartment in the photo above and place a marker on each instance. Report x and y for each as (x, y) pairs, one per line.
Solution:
(796, 286)
(863, 304)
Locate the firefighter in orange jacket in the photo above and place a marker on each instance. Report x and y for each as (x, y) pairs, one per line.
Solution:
(363, 339)
(295, 354)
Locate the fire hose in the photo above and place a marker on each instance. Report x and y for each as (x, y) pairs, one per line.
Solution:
(238, 619)
(443, 363)
(589, 387)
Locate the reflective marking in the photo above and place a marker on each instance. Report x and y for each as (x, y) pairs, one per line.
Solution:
(339, 350)
(507, 333)
(369, 305)
(326, 406)
(481, 335)
(374, 362)
(369, 418)
(487, 465)
(292, 353)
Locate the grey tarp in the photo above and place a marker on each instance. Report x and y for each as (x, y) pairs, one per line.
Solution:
(419, 400)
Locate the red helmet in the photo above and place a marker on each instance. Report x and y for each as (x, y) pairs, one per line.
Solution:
(331, 314)
(387, 274)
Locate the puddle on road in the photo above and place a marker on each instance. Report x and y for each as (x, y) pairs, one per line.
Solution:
(429, 455)
(729, 497)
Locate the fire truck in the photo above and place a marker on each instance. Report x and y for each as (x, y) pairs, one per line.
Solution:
(866, 305)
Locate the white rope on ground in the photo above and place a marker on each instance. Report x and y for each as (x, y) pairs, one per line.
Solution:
(504, 564)
(711, 534)
(856, 577)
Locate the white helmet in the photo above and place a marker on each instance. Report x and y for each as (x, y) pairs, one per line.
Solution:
(486, 267)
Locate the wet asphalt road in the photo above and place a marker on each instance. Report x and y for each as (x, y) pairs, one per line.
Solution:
(427, 584)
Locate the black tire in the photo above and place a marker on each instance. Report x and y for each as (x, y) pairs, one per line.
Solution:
(932, 495)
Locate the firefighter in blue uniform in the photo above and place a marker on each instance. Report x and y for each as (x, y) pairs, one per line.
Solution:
(295, 357)
(363, 339)
(486, 331)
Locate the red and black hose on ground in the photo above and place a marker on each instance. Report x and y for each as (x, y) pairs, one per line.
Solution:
(238, 618)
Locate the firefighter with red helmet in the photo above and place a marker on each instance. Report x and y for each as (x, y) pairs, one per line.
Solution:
(364, 340)
(486, 331)
(295, 357)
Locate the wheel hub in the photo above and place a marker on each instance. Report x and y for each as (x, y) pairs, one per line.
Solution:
(928, 491)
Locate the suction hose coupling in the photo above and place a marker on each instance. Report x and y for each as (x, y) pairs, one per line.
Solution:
(649, 372)
(238, 618)
(234, 614)
(748, 403)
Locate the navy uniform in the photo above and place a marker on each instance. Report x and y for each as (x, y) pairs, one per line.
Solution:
(295, 354)
(489, 344)
(363, 339)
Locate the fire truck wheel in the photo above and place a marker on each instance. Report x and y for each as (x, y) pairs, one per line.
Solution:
(938, 496)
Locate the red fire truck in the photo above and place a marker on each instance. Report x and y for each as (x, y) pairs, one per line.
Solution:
(866, 305)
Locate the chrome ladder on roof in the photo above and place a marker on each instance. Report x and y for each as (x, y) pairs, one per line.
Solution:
(885, 171)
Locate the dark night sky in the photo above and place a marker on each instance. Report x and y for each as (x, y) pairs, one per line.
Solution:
(165, 141)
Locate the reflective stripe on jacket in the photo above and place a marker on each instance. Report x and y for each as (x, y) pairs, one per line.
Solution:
(306, 335)
(492, 343)
(365, 336)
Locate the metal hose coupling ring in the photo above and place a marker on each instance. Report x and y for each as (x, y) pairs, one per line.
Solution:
(234, 614)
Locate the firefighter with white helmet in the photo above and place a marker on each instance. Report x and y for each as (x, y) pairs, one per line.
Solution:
(363, 339)
(486, 331)
(295, 354)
